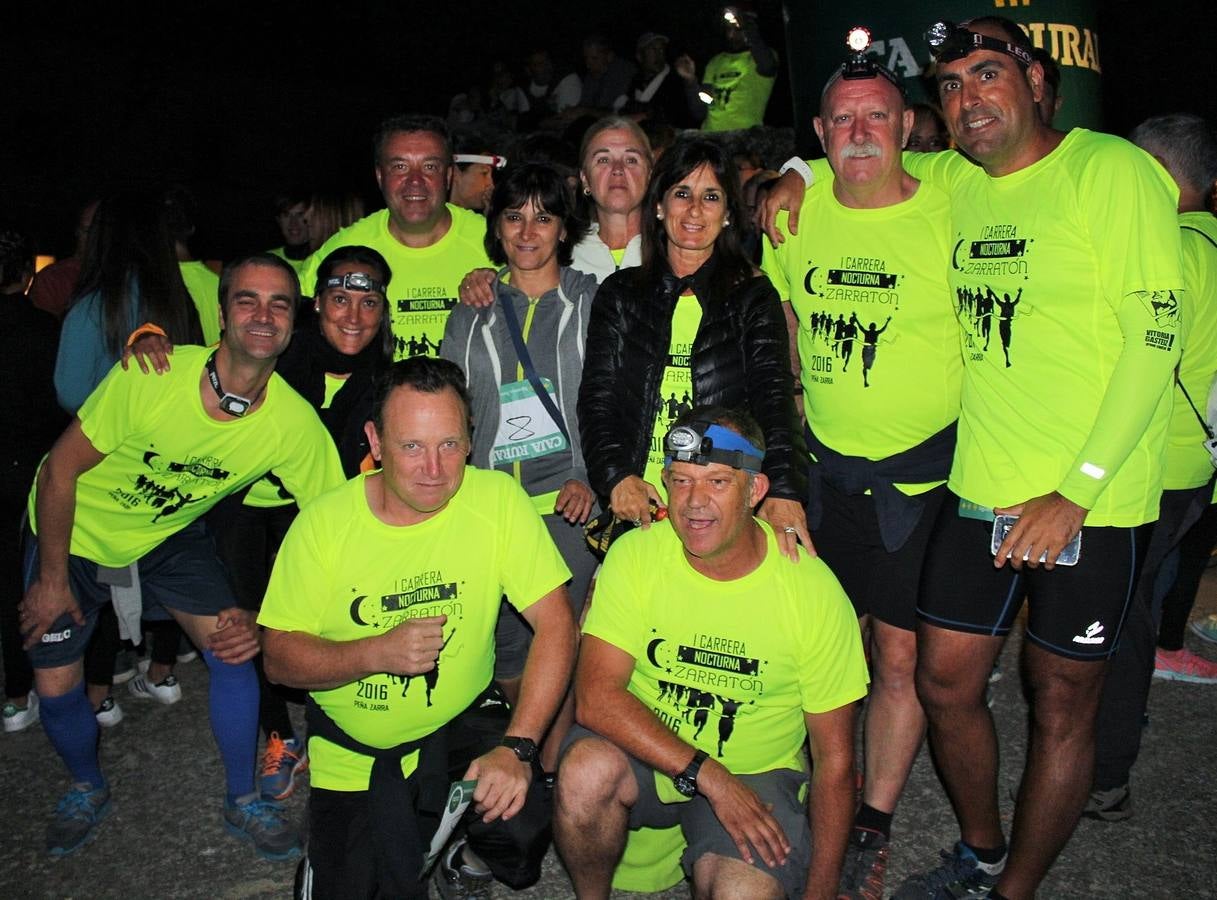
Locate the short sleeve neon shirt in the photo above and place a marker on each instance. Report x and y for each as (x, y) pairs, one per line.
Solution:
(342, 575)
(676, 385)
(425, 280)
(730, 666)
(167, 462)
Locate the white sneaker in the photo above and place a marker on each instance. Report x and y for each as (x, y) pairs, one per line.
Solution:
(110, 713)
(17, 718)
(167, 692)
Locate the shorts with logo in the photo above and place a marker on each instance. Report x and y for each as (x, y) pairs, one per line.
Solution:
(182, 573)
(784, 790)
(1073, 611)
(878, 582)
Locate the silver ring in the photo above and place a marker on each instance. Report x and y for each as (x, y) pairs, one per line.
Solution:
(790, 529)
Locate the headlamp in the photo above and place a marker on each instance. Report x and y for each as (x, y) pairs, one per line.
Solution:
(730, 17)
(702, 443)
(860, 66)
(949, 42)
(354, 281)
(496, 162)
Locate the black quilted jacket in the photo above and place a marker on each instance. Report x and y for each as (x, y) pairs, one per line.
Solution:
(740, 359)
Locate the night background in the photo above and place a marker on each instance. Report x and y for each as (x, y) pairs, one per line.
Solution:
(239, 101)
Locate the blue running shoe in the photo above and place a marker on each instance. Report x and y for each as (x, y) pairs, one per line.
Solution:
(960, 876)
(76, 818)
(263, 822)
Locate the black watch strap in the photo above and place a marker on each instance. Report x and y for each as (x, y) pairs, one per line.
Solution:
(686, 781)
(524, 748)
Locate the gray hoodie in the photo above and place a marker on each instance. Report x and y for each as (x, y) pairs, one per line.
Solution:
(479, 341)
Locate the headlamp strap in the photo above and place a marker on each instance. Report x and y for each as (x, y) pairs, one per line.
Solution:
(233, 404)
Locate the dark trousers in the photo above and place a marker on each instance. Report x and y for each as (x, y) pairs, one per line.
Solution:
(1126, 688)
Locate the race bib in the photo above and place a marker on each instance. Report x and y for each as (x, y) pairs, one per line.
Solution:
(526, 429)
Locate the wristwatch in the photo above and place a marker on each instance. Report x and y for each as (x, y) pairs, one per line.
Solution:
(686, 781)
(524, 748)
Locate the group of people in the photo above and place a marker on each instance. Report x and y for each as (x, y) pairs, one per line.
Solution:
(370, 487)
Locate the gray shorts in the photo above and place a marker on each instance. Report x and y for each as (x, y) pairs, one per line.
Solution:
(182, 573)
(783, 789)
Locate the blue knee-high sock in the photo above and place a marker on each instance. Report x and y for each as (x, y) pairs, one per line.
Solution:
(70, 724)
(233, 702)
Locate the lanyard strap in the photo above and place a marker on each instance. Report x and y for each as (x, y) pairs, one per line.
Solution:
(517, 338)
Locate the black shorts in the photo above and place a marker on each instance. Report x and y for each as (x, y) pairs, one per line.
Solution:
(784, 790)
(878, 582)
(182, 573)
(1074, 611)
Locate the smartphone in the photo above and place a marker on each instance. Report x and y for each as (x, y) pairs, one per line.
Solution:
(1068, 556)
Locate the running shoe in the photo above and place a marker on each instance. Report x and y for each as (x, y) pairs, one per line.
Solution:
(1184, 665)
(282, 763)
(1206, 628)
(461, 874)
(167, 691)
(1114, 805)
(18, 718)
(960, 876)
(263, 822)
(109, 713)
(76, 818)
(865, 869)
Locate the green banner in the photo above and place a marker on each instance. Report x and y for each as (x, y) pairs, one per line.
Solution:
(815, 38)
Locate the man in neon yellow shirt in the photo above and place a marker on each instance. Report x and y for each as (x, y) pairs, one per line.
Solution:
(429, 243)
(739, 80)
(873, 249)
(708, 659)
(1187, 148)
(128, 481)
(378, 607)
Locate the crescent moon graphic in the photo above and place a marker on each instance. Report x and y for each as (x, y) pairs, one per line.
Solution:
(955, 255)
(807, 281)
(651, 648)
(355, 610)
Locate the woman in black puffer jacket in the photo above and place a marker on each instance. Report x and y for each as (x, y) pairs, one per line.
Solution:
(695, 324)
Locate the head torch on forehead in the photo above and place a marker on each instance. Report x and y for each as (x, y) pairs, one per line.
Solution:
(495, 162)
(949, 42)
(859, 65)
(702, 443)
(355, 281)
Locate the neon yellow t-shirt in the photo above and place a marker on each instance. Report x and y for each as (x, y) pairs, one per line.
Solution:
(342, 574)
(740, 92)
(1066, 280)
(676, 386)
(167, 462)
(878, 343)
(1188, 464)
(203, 286)
(730, 666)
(425, 280)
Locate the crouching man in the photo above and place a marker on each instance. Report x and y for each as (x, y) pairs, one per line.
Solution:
(707, 659)
(382, 604)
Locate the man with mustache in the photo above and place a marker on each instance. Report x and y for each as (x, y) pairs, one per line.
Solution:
(873, 248)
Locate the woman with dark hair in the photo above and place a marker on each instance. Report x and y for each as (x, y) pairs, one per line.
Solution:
(523, 356)
(694, 324)
(129, 275)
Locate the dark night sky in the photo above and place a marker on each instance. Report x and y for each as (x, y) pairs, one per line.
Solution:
(239, 100)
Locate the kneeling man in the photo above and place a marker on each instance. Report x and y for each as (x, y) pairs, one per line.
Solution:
(708, 657)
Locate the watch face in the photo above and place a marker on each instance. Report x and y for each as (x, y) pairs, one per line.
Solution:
(686, 785)
(525, 749)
